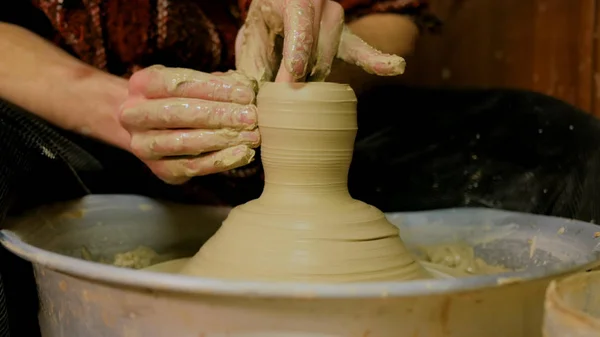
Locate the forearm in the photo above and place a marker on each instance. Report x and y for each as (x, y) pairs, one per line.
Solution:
(57, 87)
(388, 32)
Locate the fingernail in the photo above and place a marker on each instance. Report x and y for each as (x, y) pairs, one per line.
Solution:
(248, 115)
(298, 64)
(242, 151)
(400, 64)
(242, 95)
(392, 66)
(252, 137)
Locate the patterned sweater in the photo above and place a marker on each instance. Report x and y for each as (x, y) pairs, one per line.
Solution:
(121, 36)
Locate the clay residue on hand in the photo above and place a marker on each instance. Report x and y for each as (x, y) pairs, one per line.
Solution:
(157, 144)
(356, 51)
(186, 113)
(260, 56)
(234, 157)
(163, 82)
(257, 55)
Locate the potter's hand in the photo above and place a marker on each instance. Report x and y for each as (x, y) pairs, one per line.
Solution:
(185, 123)
(313, 34)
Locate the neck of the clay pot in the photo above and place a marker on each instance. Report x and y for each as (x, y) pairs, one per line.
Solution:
(313, 174)
(308, 133)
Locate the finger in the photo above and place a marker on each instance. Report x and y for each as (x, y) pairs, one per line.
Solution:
(156, 144)
(254, 53)
(178, 171)
(354, 50)
(298, 24)
(180, 113)
(238, 76)
(330, 33)
(163, 82)
(319, 6)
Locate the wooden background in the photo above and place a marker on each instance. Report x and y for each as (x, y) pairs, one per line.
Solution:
(549, 46)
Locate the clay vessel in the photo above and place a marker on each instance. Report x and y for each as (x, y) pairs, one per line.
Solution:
(305, 226)
(572, 306)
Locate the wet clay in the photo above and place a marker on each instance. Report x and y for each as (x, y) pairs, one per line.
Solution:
(457, 260)
(305, 226)
(138, 258)
(442, 261)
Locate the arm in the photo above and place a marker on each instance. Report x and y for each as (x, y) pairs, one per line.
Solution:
(57, 87)
(389, 32)
(389, 25)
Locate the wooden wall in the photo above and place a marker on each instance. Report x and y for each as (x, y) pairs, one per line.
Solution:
(549, 46)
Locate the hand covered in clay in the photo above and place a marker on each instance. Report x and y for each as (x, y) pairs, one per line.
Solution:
(313, 34)
(184, 123)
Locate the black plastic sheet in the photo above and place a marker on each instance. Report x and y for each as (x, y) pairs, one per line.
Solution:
(508, 149)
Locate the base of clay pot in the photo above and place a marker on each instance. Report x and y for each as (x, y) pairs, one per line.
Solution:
(348, 242)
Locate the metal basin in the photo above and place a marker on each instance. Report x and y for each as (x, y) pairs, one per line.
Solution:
(82, 298)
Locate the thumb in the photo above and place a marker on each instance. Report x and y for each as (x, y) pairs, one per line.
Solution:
(354, 50)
